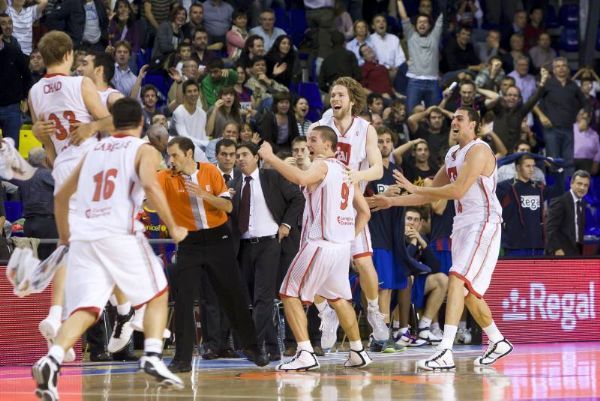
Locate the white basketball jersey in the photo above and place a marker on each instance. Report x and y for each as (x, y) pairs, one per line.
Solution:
(105, 94)
(479, 204)
(109, 193)
(58, 98)
(329, 211)
(352, 145)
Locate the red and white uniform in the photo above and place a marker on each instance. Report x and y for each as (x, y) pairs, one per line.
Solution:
(107, 247)
(352, 152)
(322, 263)
(58, 98)
(104, 95)
(477, 224)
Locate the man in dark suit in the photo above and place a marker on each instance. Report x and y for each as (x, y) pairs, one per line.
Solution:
(566, 218)
(266, 208)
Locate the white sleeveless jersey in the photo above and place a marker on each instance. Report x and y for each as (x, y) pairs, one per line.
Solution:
(58, 98)
(109, 193)
(105, 94)
(329, 211)
(479, 204)
(352, 146)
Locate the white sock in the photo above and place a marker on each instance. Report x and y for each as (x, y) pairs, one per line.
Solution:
(154, 345)
(435, 326)
(58, 353)
(424, 322)
(124, 309)
(373, 303)
(493, 333)
(395, 325)
(449, 334)
(356, 345)
(322, 306)
(462, 325)
(306, 346)
(55, 312)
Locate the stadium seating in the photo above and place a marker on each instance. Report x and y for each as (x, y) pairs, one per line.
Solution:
(568, 15)
(569, 40)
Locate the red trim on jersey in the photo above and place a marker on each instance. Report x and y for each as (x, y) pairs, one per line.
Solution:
(467, 284)
(158, 294)
(362, 255)
(121, 135)
(322, 230)
(55, 75)
(293, 266)
(486, 254)
(351, 125)
(308, 269)
(92, 309)
(133, 212)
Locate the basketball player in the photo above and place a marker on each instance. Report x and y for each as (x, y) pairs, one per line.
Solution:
(468, 177)
(66, 107)
(100, 68)
(108, 248)
(357, 149)
(335, 212)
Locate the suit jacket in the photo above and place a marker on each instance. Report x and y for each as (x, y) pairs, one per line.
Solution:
(284, 200)
(561, 225)
(69, 16)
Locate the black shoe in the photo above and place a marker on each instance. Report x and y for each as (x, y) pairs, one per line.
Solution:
(318, 351)
(274, 356)
(256, 355)
(124, 356)
(229, 354)
(180, 366)
(210, 354)
(100, 357)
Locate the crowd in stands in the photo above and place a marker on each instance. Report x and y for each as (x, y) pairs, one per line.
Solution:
(223, 73)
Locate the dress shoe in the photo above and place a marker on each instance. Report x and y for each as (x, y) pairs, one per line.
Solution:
(256, 355)
(101, 357)
(180, 366)
(210, 354)
(228, 353)
(290, 351)
(274, 356)
(318, 350)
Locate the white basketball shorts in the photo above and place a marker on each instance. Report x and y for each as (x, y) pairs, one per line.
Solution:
(475, 252)
(318, 269)
(361, 246)
(96, 267)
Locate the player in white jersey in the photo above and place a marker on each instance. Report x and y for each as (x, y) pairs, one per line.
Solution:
(357, 149)
(107, 246)
(468, 177)
(335, 212)
(100, 68)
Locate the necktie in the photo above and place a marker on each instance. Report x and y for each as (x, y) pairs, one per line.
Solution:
(580, 222)
(227, 178)
(244, 215)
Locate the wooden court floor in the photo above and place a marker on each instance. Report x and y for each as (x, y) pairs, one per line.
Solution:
(567, 371)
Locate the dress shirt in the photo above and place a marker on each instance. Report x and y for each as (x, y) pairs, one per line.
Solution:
(261, 222)
(231, 173)
(526, 84)
(388, 50)
(586, 144)
(217, 18)
(354, 46)
(268, 39)
(124, 80)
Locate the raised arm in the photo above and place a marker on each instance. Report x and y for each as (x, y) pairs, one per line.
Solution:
(491, 97)
(313, 175)
(398, 153)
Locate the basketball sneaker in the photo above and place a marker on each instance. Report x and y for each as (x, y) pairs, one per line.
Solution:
(122, 333)
(303, 361)
(329, 327)
(358, 359)
(463, 336)
(45, 372)
(494, 352)
(152, 364)
(381, 331)
(442, 359)
(427, 335)
(408, 340)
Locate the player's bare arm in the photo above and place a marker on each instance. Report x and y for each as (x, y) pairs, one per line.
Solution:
(479, 161)
(61, 205)
(103, 120)
(363, 214)
(375, 170)
(147, 161)
(43, 131)
(315, 174)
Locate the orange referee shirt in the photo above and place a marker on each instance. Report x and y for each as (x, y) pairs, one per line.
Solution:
(188, 210)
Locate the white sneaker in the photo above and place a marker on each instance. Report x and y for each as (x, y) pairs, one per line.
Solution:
(122, 333)
(427, 335)
(463, 336)
(441, 360)
(45, 372)
(408, 340)
(381, 331)
(329, 327)
(494, 352)
(49, 329)
(302, 362)
(154, 366)
(358, 359)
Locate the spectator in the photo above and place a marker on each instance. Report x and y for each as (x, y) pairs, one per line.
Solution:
(506, 83)
(149, 95)
(387, 47)
(225, 154)
(124, 79)
(217, 19)
(230, 132)
(243, 92)
(417, 165)
(218, 77)
(586, 144)
(339, 63)
(169, 35)
(517, 51)
(278, 126)
(459, 54)
(523, 80)
(518, 25)
(320, 16)
(123, 26)
(237, 35)
(560, 102)
(254, 47)
(343, 20)
(196, 21)
(534, 28)
(158, 137)
(508, 171)
(262, 87)
(423, 50)
(469, 13)
(566, 218)
(435, 131)
(375, 104)
(248, 135)
(491, 75)
(154, 13)
(300, 111)
(36, 66)
(267, 29)
(189, 118)
(395, 118)
(15, 81)
(300, 154)
(467, 96)
(23, 19)
(361, 37)
(188, 71)
(6, 24)
(522, 201)
(183, 54)
(282, 61)
(490, 48)
(200, 51)
(542, 54)
(375, 77)
(225, 110)
(587, 83)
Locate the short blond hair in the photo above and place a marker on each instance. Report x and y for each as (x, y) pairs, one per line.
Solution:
(54, 46)
(356, 93)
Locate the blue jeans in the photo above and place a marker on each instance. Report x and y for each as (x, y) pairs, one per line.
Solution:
(559, 143)
(10, 122)
(422, 89)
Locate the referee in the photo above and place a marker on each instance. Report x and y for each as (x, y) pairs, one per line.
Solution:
(199, 200)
